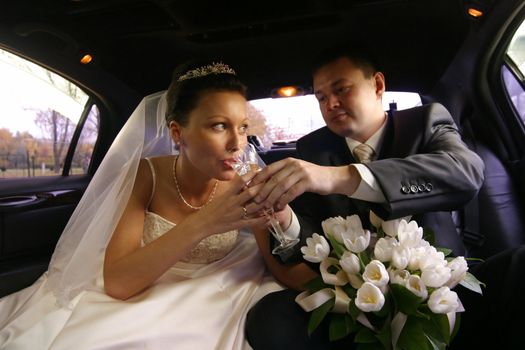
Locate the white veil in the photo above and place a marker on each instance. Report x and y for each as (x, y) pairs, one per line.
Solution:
(79, 254)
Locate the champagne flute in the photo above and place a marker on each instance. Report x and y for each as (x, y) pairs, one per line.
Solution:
(247, 161)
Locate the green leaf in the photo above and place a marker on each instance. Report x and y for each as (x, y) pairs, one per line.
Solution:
(385, 334)
(350, 291)
(445, 251)
(387, 307)
(406, 301)
(338, 248)
(435, 344)
(475, 259)
(365, 335)
(319, 314)
(340, 326)
(369, 346)
(363, 256)
(441, 324)
(332, 269)
(436, 326)
(412, 336)
(471, 282)
(353, 311)
(316, 284)
(428, 235)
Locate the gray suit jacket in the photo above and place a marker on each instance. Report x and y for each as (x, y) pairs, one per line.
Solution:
(424, 169)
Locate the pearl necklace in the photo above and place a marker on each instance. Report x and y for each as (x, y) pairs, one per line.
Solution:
(174, 173)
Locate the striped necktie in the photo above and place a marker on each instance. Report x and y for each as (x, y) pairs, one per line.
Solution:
(364, 153)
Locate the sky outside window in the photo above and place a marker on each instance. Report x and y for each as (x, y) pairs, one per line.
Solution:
(26, 87)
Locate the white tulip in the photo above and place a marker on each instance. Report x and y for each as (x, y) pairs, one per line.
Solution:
(338, 231)
(416, 256)
(435, 276)
(383, 248)
(390, 227)
(458, 269)
(369, 298)
(375, 273)
(356, 241)
(317, 248)
(348, 231)
(350, 263)
(431, 257)
(354, 223)
(443, 301)
(400, 257)
(398, 276)
(416, 286)
(329, 224)
(409, 234)
(375, 220)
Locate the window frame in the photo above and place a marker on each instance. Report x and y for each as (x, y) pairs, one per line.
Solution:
(73, 141)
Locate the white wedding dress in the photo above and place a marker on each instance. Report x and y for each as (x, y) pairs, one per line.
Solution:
(199, 303)
(194, 305)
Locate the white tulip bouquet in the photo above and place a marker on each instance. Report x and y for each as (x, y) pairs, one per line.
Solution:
(392, 289)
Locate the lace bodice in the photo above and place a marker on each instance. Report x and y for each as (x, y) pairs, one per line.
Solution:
(210, 249)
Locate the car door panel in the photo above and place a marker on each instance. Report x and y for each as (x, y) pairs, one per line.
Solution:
(31, 222)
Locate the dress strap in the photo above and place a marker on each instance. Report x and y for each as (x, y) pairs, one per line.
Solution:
(152, 168)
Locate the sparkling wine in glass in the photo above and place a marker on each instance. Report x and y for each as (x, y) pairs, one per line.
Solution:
(247, 161)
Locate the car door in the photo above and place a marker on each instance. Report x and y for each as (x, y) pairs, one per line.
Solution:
(484, 89)
(56, 125)
(510, 94)
(48, 130)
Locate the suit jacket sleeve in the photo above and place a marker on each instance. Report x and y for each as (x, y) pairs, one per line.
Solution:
(427, 166)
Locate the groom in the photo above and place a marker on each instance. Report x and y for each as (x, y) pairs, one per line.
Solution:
(413, 163)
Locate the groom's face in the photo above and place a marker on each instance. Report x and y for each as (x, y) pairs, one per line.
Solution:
(350, 102)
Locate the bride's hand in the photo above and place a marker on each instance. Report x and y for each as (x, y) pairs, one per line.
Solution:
(233, 209)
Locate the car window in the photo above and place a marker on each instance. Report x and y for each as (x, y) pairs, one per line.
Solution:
(516, 50)
(279, 120)
(513, 76)
(42, 116)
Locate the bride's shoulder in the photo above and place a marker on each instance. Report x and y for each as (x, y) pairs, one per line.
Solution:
(155, 164)
(158, 160)
(155, 168)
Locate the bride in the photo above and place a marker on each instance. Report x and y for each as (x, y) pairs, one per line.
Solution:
(155, 255)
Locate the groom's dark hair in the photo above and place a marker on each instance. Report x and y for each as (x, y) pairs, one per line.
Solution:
(358, 53)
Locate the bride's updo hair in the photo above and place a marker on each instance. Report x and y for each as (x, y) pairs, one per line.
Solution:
(191, 80)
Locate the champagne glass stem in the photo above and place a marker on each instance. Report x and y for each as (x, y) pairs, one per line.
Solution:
(249, 160)
(277, 230)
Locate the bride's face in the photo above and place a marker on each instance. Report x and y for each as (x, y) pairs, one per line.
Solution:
(216, 132)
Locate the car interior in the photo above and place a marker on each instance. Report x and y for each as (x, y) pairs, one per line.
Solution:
(463, 54)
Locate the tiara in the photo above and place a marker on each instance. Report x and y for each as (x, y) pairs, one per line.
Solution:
(214, 68)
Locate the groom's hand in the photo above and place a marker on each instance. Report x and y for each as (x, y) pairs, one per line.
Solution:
(287, 179)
